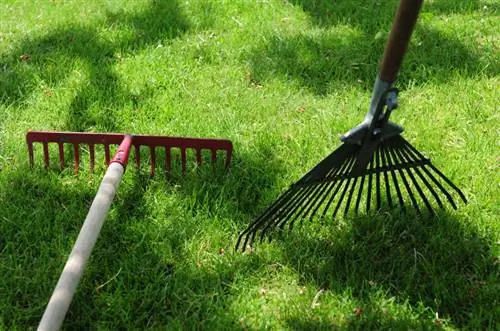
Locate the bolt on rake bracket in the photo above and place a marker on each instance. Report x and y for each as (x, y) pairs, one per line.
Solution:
(376, 124)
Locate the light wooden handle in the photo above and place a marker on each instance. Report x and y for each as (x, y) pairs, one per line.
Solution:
(68, 281)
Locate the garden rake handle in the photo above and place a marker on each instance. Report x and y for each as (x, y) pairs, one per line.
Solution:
(60, 300)
(402, 28)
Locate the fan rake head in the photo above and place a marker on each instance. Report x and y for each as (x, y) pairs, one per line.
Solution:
(396, 170)
(154, 144)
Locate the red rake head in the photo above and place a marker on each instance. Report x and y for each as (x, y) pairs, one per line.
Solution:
(106, 139)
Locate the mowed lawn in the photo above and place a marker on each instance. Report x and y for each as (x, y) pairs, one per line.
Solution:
(282, 80)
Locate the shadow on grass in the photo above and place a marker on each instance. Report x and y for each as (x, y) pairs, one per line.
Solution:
(349, 46)
(51, 59)
(442, 263)
(158, 261)
(142, 272)
(328, 13)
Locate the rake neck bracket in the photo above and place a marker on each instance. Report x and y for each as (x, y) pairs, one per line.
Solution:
(376, 125)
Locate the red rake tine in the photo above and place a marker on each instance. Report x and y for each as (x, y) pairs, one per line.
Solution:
(66, 286)
(106, 139)
(61, 156)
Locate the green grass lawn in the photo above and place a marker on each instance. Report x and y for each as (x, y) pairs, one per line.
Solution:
(283, 80)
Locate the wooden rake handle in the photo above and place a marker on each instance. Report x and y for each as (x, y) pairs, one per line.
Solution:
(65, 289)
(402, 28)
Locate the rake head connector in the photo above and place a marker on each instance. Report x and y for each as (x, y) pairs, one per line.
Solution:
(374, 168)
(152, 143)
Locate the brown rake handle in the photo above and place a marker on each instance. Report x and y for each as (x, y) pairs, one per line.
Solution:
(65, 289)
(402, 28)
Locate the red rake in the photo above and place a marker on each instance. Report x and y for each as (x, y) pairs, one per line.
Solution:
(107, 139)
(65, 289)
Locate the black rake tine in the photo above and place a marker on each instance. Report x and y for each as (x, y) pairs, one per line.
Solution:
(386, 176)
(407, 186)
(255, 225)
(394, 177)
(446, 179)
(415, 183)
(306, 208)
(441, 187)
(341, 198)
(346, 187)
(370, 182)
(268, 217)
(283, 206)
(331, 185)
(325, 188)
(349, 197)
(344, 191)
(320, 191)
(331, 161)
(360, 194)
(287, 211)
(404, 151)
(376, 156)
(290, 212)
(437, 182)
(347, 166)
(339, 173)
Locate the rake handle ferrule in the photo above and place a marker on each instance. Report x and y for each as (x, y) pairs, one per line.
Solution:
(399, 38)
(123, 151)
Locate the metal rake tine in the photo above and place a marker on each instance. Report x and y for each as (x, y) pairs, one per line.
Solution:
(415, 182)
(198, 156)
(92, 157)
(385, 168)
(390, 165)
(153, 160)
(316, 194)
(107, 156)
(441, 187)
(61, 155)
(168, 160)
(255, 225)
(137, 151)
(326, 187)
(213, 154)
(405, 182)
(342, 195)
(347, 166)
(76, 149)
(332, 184)
(360, 194)
(448, 181)
(287, 211)
(369, 190)
(331, 162)
(408, 157)
(349, 197)
(346, 187)
(183, 160)
(46, 154)
(376, 157)
(30, 154)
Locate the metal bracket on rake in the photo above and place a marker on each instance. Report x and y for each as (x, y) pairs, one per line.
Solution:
(153, 143)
